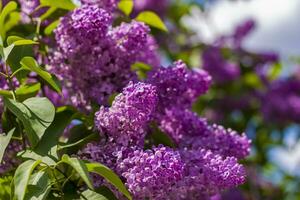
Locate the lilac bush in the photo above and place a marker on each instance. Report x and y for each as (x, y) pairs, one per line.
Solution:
(94, 58)
(81, 120)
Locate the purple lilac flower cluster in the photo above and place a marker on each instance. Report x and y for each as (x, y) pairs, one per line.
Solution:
(223, 69)
(205, 160)
(281, 102)
(108, 5)
(125, 120)
(179, 86)
(95, 58)
(28, 7)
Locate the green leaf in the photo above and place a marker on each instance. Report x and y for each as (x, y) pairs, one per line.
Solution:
(31, 64)
(29, 154)
(141, 66)
(5, 191)
(152, 19)
(251, 79)
(39, 186)
(6, 93)
(110, 176)
(160, 137)
(19, 41)
(80, 167)
(7, 50)
(80, 142)
(49, 29)
(91, 195)
(105, 191)
(36, 114)
(274, 71)
(22, 177)
(14, 59)
(46, 149)
(126, 6)
(27, 91)
(23, 92)
(63, 4)
(10, 7)
(49, 12)
(4, 141)
(141, 69)
(12, 21)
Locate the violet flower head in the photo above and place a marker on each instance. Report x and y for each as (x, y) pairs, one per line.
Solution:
(189, 130)
(281, 102)
(179, 86)
(207, 174)
(150, 174)
(29, 9)
(179, 124)
(217, 139)
(108, 5)
(216, 65)
(94, 59)
(126, 119)
(28, 6)
(242, 31)
(86, 25)
(134, 39)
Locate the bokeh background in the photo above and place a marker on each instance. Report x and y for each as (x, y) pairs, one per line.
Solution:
(251, 48)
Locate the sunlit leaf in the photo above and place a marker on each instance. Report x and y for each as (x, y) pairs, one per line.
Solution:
(126, 6)
(31, 64)
(4, 141)
(91, 195)
(110, 176)
(39, 186)
(19, 41)
(22, 177)
(152, 19)
(10, 7)
(80, 167)
(49, 29)
(63, 4)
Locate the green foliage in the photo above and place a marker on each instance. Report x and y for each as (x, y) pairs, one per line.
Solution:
(91, 195)
(126, 6)
(63, 4)
(152, 19)
(110, 176)
(4, 141)
(39, 186)
(10, 7)
(22, 177)
(36, 115)
(49, 29)
(80, 167)
(31, 64)
(5, 191)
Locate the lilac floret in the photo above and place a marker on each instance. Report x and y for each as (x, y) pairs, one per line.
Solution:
(126, 119)
(207, 174)
(152, 173)
(179, 86)
(94, 59)
(189, 130)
